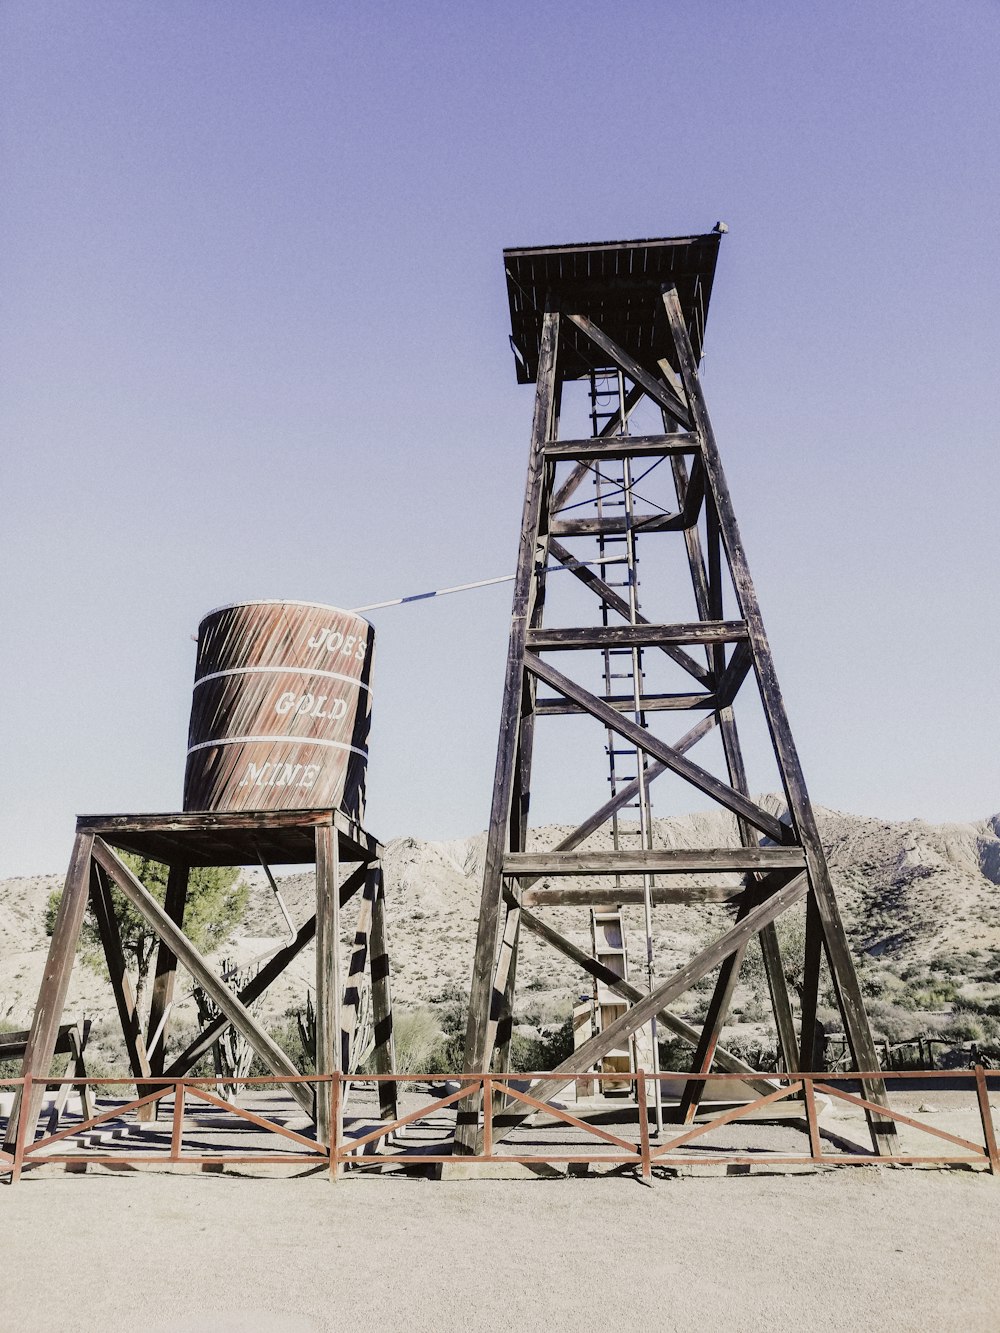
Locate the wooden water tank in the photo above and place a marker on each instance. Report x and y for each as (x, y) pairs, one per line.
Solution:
(281, 709)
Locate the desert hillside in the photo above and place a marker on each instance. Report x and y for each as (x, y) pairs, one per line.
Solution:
(921, 902)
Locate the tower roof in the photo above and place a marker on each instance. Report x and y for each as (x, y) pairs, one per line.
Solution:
(616, 284)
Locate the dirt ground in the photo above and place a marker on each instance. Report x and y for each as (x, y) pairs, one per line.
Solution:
(872, 1248)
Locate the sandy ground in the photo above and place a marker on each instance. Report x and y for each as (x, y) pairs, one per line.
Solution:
(860, 1248)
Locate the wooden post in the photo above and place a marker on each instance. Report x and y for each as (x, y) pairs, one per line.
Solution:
(21, 1132)
(328, 980)
(162, 996)
(177, 1131)
(647, 1165)
(989, 1134)
(487, 1116)
(385, 1048)
(815, 1142)
(336, 1124)
(41, 1042)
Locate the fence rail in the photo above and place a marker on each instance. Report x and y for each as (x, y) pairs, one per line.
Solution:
(495, 1099)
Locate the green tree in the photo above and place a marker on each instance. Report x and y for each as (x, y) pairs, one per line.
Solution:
(216, 903)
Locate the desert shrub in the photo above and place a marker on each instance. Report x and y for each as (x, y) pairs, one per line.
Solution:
(419, 1039)
(962, 1028)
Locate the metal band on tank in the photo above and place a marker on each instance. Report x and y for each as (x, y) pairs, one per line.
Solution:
(295, 740)
(287, 670)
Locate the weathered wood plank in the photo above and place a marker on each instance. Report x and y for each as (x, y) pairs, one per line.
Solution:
(328, 975)
(659, 894)
(622, 446)
(610, 526)
(477, 1057)
(54, 988)
(625, 703)
(384, 1055)
(658, 861)
(645, 635)
(162, 996)
(121, 984)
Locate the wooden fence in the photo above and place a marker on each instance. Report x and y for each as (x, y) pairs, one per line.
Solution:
(504, 1099)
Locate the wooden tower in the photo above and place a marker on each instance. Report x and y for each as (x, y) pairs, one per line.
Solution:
(627, 319)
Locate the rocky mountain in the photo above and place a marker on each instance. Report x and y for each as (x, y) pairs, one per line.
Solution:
(915, 896)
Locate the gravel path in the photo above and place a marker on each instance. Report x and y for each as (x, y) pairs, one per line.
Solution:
(861, 1248)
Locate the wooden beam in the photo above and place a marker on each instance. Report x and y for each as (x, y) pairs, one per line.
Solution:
(162, 997)
(53, 990)
(657, 861)
(636, 636)
(658, 390)
(597, 896)
(625, 703)
(477, 1056)
(609, 527)
(616, 1033)
(384, 1055)
(328, 976)
(121, 984)
(646, 741)
(201, 971)
(622, 446)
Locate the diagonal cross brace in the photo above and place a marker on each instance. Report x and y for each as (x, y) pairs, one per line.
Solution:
(639, 736)
(150, 910)
(587, 1055)
(658, 390)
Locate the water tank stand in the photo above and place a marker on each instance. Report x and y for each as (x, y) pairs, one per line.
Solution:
(326, 838)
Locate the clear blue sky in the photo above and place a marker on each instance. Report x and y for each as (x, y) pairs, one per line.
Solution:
(254, 344)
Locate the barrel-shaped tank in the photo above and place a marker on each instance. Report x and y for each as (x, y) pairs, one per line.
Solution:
(281, 709)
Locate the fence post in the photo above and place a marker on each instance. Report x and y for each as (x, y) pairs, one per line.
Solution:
(989, 1136)
(815, 1142)
(487, 1116)
(22, 1129)
(177, 1130)
(336, 1124)
(647, 1165)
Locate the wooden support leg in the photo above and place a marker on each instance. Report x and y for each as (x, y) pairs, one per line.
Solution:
(507, 809)
(385, 1051)
(162, 997)
(502, 1019)
(52, 995)
(328, 978)
(810, 986)
(354, 984)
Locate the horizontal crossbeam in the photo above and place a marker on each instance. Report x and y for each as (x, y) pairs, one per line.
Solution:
(622, 446)
(655, 861)
(659, 894)
(625, 703)
(610, 527)
(636, 636)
